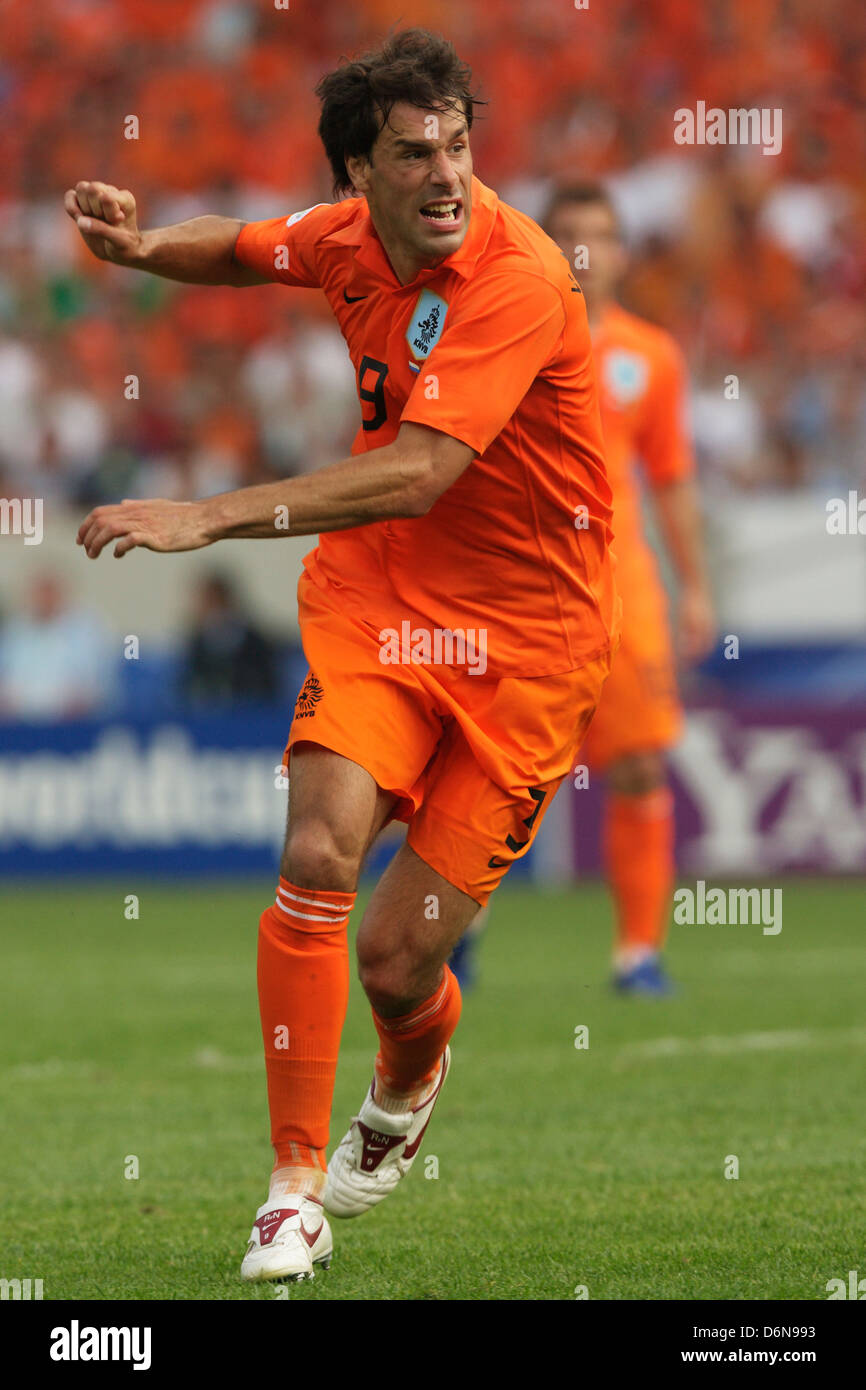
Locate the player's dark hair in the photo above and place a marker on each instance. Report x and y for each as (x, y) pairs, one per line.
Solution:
(414, 66)
(586, 193)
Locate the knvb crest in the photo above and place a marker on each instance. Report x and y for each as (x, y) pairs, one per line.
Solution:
(310, 695)
(625, 376)
(425, 326)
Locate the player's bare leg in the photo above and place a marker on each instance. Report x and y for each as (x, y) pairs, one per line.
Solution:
(335, 810)
(409, 929)
(639, 855)
(462, 957)
(411, 923)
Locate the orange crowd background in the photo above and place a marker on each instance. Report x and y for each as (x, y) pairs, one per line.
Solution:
(757, 263)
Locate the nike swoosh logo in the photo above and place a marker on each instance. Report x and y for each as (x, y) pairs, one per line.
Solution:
(311, 1239)
(353, 298)
(411, 1149)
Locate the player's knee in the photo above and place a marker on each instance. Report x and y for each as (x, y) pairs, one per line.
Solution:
(637, 774)
(390, 993)
(388, 980)
(315, 857)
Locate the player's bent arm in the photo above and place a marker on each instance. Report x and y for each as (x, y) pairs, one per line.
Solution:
(198, 252)
(399, 480)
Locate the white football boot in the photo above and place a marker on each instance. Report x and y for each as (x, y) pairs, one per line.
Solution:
(377, 1152)
(288, 1239)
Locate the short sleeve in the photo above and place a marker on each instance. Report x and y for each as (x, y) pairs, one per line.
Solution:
(664, 437)
(503, 331)
(285, 248)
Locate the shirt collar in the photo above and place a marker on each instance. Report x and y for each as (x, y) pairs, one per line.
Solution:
(361, 233)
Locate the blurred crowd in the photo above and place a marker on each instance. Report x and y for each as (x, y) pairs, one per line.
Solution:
(114, 384)
(59, 659)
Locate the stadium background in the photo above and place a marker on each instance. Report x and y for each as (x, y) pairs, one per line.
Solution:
(135, 747)
(756, 263)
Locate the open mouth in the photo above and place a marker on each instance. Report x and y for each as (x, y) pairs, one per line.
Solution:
(443, 212)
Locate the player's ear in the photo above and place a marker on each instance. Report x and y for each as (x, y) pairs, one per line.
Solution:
(358, 167)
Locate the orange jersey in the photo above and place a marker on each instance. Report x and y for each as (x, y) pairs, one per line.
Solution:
(491, 347)
(641, 382)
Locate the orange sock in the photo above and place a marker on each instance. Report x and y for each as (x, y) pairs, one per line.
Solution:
(411, 1046)
(303, 979)
(639, 855)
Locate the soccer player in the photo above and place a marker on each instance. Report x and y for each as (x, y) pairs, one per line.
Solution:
(458, 613)
(641, 384)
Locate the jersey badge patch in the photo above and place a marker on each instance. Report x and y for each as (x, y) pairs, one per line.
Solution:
(625, 376)
(425, 326)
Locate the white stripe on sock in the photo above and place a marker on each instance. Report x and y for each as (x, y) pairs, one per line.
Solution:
(309, 902)
(310, 916)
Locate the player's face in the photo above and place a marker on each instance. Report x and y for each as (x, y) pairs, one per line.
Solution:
(575, 226)
(418, 185)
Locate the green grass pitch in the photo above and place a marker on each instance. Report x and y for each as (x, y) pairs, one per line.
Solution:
(558, 1167)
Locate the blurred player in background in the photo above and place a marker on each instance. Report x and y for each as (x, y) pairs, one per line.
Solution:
(480, 435)
(642, 388)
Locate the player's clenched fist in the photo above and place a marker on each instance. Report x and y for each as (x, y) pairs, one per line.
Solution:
(105, 217)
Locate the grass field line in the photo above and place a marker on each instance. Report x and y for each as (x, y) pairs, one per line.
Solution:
(205, 1059)
(724, 1044)
(721, 1044)
(821, 959)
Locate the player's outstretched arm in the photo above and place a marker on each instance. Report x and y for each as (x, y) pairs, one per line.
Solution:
(398, 480)
(199, 252)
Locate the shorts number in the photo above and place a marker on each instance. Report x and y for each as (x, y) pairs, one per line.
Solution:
(537, 796)
(376, 395)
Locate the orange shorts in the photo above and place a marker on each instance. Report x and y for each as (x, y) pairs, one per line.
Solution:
(473, 761)
(640, 710)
